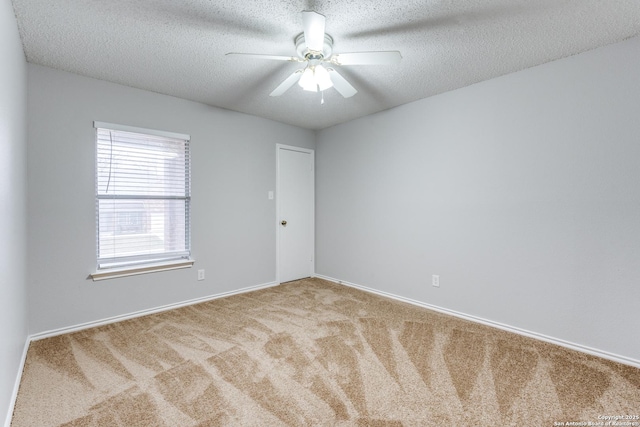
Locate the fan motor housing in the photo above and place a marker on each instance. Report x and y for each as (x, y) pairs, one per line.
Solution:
(304, 53)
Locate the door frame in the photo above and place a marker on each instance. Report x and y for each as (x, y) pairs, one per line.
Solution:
(313, 206)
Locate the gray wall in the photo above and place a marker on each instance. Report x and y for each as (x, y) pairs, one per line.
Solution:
(522, 193)
(233, 222)
(13, 116)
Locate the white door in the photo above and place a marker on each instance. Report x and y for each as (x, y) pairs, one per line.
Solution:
(295, 212)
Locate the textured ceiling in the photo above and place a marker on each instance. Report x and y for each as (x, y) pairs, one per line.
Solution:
(178, 47)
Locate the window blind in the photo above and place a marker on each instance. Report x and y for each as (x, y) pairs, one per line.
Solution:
(143, 195)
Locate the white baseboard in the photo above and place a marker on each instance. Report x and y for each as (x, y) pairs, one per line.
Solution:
(114, 319)
(16, 386)
(491, 323)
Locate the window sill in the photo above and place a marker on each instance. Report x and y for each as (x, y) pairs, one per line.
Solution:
(113, 273)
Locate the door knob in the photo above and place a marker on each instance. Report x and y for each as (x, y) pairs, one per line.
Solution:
(284, 222)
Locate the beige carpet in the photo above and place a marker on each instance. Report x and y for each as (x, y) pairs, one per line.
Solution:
(313, 353)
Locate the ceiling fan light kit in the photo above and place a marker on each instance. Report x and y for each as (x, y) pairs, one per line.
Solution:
(314, 47)
(323, 79)
(307, 80)
(315, 79)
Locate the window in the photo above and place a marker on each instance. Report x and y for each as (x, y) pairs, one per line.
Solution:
(143, 197)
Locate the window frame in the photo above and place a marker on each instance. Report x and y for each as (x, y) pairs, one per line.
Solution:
(127, 265)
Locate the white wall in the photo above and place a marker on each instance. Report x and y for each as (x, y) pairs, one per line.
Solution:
(233, 222)
(13, 115)
(522, 193)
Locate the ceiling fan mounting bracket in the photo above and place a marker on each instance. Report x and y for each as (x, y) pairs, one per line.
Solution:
(306, 54)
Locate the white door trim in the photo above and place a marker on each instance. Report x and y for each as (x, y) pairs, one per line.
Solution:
(313, 205)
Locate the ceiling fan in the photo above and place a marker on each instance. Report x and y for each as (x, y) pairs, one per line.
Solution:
(315, 50)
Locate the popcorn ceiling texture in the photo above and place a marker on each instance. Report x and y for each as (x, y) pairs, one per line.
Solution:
(313, 353)
(178, 47)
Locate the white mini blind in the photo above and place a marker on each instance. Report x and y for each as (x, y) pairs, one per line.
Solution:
(143, 196)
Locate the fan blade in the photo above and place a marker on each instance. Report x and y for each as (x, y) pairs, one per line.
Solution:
(341, 85)
(313, 30)
(262, 56)
(285, 85)
(367, 58)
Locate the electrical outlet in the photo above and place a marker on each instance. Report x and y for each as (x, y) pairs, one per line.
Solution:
(435, 280)
(200, 274)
